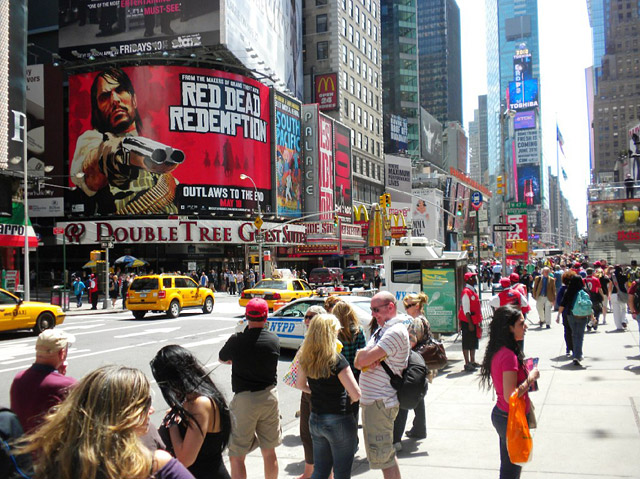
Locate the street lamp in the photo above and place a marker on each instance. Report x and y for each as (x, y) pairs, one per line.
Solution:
(25, 186)
(508, 114)
(258, 236)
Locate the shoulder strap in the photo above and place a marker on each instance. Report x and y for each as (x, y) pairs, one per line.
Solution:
(388, 370)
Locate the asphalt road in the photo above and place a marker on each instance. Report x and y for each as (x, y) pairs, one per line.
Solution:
(116, 338)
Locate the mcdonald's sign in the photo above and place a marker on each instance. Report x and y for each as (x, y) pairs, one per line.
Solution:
(326, 88)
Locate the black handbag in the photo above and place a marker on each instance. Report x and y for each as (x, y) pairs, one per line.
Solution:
(433, 353)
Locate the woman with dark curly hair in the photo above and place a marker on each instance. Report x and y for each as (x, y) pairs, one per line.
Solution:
(196, 429)
(503, 368)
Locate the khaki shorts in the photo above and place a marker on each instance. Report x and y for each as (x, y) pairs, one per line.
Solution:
(255, 421)
(377, 425)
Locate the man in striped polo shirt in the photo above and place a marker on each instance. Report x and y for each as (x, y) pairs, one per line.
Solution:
(379, 401)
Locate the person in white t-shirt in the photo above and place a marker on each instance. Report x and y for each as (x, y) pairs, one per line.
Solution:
(379, 401)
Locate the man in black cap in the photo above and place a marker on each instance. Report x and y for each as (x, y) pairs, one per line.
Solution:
(253, 355)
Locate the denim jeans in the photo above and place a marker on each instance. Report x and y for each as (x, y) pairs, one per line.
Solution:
(79, 300)
(508, 470)
(419, 422)
(335, 440)
(577, 334)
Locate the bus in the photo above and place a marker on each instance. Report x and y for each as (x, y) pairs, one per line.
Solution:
(545, 253)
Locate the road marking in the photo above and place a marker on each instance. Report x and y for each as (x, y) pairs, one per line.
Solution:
(147, 331)
(85, 326)
(200, 333)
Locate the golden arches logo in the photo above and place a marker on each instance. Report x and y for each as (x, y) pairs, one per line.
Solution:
(323, 82)
(361, 213)
(399, 220)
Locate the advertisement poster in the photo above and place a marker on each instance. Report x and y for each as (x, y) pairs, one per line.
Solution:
(327, 91)
(109, 28)
(430, 138)
(325, 167)
(522, 67)
(288, 155)
(524, 120)
(521, 221)
(523, 95)
(167, 140)
(343, 192)
(426, 214)
(397, 181)
(439, 284)
(399, 133)
(529, 184)
(527, 146)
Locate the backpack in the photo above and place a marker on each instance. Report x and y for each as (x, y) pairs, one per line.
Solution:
(412, 385)
(582, 306)
(12, 466)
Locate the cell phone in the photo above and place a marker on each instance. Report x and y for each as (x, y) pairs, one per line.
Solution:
(530, 364)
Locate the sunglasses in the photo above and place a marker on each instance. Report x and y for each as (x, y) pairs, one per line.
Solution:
(410, 305)
(378, 308)
(309, 316)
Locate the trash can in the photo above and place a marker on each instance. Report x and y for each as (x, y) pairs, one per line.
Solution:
(65, 294)
(56, 294)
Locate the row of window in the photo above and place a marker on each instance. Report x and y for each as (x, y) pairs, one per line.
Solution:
(360, 42)
(359, 66)
(354, 11)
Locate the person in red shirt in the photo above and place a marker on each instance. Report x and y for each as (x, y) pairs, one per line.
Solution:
(470, 321)
(508, 295)
(93, 291)
(594, 288)
(633, 303)
(522, 289)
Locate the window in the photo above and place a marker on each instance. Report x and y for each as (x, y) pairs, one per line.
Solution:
(363, 45)
(343, 48)
(345, 80)
(358, 65)
(358, 90)
(321, 3)
(359, 145)
(358, 40)
(405, 272)
(352, 112)
(359, 117)
(370, 122)
(321, 23)
(350, 9)
(365, 141)
(346, 106)
(357, 14)
(364, 70)
(364, 99)
(350, 33)
(351, 82)
(351, 59)
(343, 27)
(322, 50)
(375, 33)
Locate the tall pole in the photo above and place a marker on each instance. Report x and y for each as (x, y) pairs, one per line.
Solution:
(504, 174)
(257, 234)
(478, 249)
(107, 300)
(27, 279)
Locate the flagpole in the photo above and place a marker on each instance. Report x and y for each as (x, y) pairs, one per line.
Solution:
(558, 208)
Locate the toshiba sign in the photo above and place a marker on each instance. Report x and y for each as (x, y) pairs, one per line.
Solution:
(327, 91)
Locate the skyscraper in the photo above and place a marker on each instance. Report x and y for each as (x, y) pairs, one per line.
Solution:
(616, 85)
(478, 145)
(440, 59)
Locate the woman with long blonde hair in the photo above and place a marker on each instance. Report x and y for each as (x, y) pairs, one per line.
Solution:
(325, 374)
(95, 432)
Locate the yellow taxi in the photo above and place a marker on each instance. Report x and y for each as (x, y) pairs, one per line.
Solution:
(276, 291)
(18, 314)
(167, 293)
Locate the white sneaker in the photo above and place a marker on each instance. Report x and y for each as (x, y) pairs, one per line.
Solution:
(397, 446)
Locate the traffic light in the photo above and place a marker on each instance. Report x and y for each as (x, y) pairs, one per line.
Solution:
(501, 185)
(387, 200)
(336, 221)
(522, 246)
(459, 210)
(382, 201)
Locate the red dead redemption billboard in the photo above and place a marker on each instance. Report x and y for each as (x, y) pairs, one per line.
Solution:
(165, 140)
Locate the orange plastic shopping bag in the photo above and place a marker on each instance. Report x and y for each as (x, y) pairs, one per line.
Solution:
(519, 441)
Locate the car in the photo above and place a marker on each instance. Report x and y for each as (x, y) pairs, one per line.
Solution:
(325, 277)
(287, 322)
(275, 291)
(359, 276)
(18, 314)
(168, 293)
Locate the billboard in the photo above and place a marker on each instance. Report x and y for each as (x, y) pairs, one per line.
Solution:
(343, 187)
(110, 28)
(397, 182)
(523, 95)
(326, 91)
(430, 138)
(426, 213)
(165, 140)
(527, 146)
(287, 143)
(311, 193)
(325, 167)
(522, 67)
(265, 36)
(529, 184)
(399, 133)
(524, 120)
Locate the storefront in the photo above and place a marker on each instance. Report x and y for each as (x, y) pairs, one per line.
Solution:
(12, 246)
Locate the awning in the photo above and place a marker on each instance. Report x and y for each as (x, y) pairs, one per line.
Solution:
(12, 229)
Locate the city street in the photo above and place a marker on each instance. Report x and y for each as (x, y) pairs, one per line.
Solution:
(588, 422)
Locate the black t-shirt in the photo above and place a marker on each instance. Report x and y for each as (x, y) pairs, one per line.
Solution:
(254, 354)
(328, 395)
(604, 282)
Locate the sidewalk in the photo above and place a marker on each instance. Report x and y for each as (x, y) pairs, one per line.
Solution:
(588, 423)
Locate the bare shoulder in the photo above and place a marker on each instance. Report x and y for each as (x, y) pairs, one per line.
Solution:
(160, 459)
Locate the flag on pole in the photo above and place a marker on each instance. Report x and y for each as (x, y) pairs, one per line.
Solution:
(560, 139)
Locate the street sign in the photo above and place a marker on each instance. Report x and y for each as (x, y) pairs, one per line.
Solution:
(476, 200)
(106, 244)
(258, 222)
(517, 205)
(504, 228)
(58, 231)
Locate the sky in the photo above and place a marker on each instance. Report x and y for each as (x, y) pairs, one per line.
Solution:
(565, 53)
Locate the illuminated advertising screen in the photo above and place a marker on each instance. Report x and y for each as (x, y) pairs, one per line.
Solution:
(327, 91)
(399, 131)
(310, 153)
(110, 28)
(523, 95)
(325, 167)
(265, 35)
(522, 67)
(343, 191)
(288, 170)
(165, 140)
(529, 184)
(524, 120)
(527, 147)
